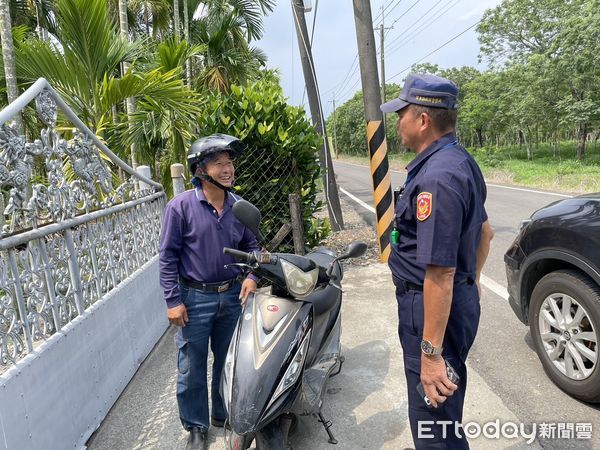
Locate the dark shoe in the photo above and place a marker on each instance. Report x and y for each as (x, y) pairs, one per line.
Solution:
(219, 423)
(198, 439)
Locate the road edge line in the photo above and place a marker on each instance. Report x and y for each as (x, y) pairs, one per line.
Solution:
(490, 284)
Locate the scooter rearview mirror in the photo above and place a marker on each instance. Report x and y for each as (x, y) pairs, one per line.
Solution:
(354, 250)
(249, 216)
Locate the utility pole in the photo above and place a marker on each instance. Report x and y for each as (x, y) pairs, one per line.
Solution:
(335, 147)
(382, 29)
(382, 192)
(382, 48)
(310, 78)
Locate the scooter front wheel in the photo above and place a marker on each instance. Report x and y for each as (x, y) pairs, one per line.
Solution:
(236, 441)
(270, 437)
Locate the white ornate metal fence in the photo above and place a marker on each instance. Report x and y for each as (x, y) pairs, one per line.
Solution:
(78, 237)
(70, 233)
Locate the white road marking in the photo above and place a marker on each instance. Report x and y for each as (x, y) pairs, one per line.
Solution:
(358, 200)
(496, 288)
(490, 284)
(512, 188)
(528, 190)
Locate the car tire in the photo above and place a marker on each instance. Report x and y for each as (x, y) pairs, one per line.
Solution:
(568, 347)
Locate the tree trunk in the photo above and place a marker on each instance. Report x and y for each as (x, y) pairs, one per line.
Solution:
(176, 18)
(130, 105)
(42, 32)
(147, 19)
(583, 133)
(528, 145)
(186, 32)
(8, 54)
(479, 137)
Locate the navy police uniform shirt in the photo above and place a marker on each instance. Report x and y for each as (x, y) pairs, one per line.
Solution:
(440, 213)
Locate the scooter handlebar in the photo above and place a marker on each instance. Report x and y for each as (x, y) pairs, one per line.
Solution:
(239, 255)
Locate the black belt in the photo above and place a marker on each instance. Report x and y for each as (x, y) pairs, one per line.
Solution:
(221, 286)
(408, 286)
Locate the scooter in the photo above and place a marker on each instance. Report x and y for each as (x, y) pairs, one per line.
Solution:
(286, 344)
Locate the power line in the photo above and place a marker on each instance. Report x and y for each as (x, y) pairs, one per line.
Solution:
(405, 12)
(340, 86)
(349, 90)
(385, 9)
(312, 33)
(439, 48)
(422, 27)
(406, 30)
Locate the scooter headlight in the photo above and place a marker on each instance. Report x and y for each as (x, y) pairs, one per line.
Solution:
(298, 282)
(294, 370)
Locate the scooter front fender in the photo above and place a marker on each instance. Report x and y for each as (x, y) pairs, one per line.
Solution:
(268, 336)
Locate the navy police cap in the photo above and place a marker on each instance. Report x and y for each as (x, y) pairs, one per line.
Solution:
(426, 90)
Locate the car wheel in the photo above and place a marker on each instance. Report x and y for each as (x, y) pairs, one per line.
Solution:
(565, 327)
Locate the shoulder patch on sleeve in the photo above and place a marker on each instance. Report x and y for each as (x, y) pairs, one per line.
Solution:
(424, 205)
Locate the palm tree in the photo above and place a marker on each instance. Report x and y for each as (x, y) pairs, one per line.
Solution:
(228, 59)
(35, 14)
(8, 56)
(153, 15)
(84, 69)
(176, 19)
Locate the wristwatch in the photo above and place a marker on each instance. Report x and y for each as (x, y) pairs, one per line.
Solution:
(428, 349)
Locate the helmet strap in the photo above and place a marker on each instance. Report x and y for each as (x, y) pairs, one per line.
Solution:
(204, 176)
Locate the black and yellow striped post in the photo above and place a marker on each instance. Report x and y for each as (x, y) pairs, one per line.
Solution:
(382, 189)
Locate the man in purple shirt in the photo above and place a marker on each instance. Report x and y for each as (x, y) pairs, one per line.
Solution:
(203, 297)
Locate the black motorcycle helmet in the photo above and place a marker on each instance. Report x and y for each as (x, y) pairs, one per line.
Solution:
(205, 147)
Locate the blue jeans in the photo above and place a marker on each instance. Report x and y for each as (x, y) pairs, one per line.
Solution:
(213, 316)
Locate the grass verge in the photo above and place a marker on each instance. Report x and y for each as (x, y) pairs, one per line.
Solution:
(552, 168)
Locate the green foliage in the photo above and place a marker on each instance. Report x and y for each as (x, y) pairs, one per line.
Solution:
(543, 86)
(282, 152)
(224, 33)
(85, 70)
(317, 231)
(551, 53)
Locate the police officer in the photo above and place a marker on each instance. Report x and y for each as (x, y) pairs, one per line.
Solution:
(203, 298)
(440, 242)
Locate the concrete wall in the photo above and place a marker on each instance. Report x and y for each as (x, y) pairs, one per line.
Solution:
(56, 397)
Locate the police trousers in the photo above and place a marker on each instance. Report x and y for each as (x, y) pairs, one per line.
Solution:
(212, 317)
(437, 428)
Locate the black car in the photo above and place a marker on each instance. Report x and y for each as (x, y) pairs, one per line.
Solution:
(553, 272)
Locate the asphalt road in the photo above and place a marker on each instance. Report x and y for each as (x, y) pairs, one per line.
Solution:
(367, 400)
(503, 353)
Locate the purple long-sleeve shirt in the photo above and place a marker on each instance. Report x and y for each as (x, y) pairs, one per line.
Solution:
(192, 239)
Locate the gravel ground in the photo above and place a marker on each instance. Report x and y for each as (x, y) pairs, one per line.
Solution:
(355, 229)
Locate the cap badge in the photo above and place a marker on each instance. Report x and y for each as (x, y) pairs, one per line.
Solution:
(432, 100)
(424, 201)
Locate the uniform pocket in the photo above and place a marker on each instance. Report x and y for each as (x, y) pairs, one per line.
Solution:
(401, 208)
(405, 312)
(418, 314)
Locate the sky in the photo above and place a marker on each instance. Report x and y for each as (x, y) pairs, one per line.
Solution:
(417, 28)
